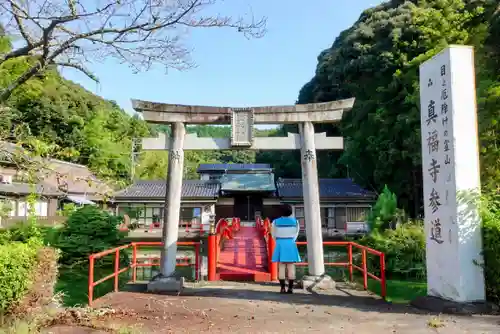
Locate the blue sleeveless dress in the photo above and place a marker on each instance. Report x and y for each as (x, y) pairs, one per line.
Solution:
(286, 249)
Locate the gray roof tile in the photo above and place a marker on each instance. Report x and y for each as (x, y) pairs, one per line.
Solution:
(156, 189)
(232, 167)
(327, 188)
(16, 188)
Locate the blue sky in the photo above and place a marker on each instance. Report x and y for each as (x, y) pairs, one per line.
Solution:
(232, 70)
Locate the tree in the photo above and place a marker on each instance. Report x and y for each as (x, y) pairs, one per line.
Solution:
(377, 60)
(88, 230)
(137, 32)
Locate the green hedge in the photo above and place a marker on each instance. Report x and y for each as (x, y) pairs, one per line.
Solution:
(17, 261)
(491, 249)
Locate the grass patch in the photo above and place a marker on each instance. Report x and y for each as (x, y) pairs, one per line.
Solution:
(73, 284)
(400, 292)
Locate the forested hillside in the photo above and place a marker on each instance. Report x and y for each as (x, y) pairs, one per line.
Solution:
(377, 60)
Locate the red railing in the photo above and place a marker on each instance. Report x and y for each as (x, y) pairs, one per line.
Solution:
(351, 266)
(264, 226)
(134, 264)
(223, 230)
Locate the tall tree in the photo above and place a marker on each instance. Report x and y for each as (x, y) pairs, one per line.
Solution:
(376, 61)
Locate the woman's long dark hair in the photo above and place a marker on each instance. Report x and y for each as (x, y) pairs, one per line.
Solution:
(286, 210)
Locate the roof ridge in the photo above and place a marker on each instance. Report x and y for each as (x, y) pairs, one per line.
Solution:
(68, 163)
(184, 180)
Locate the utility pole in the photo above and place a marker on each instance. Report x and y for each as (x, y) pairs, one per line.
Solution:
(133, 155)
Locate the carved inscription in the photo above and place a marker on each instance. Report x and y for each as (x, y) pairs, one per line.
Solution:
(242, 127)
(309, 156)
(175, 156)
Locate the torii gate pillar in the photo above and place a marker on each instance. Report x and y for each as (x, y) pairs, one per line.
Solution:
(310, 189)
(242, 121)
(171, 211)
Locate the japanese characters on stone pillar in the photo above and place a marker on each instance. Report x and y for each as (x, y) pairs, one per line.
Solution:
(450, 164)
(241, 127)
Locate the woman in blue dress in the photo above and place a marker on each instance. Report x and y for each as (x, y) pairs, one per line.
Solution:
(285, 231)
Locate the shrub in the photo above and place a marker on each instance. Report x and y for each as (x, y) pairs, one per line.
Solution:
(385, 213)
(88, 230)
(5, 236)
(24, 231)
(17, 260)
(40, 292)
(490, 213)
(67, 210)
(404, 249)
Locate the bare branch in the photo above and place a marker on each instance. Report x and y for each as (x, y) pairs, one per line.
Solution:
(80, 68)
(140, 33)
(22, 30)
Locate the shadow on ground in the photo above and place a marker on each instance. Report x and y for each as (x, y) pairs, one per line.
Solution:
(345, 295)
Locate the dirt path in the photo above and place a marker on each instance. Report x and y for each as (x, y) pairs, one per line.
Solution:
(252, 308)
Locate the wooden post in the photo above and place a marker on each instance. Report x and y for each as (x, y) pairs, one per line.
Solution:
(212, 253)
(91, 279)
(134, 262)
(273, 266)
(117, 268)
(350, 261)
(365, 269)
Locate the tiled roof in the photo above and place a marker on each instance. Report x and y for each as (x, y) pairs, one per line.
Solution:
(232, 167)
(156, 189)
(74, 178)
(327, 188)
(15, 188)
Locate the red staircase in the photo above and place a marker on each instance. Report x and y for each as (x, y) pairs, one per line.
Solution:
(244, 258)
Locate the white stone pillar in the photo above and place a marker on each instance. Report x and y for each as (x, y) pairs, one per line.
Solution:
(310, 186)
(450, 162)
(173, 200)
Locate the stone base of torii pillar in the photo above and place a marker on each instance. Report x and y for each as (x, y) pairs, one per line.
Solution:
(322, 282)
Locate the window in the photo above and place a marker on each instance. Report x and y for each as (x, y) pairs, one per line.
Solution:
(357, 215)
(22, 209)
(41, 209)
(335, 217)
(328, 217)
(190, 216)
(144, 214)
(340, 217)
(299, 214)
(12, 208)
(153, 215)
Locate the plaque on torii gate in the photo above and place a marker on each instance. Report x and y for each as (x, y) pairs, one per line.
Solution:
(242, 121)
